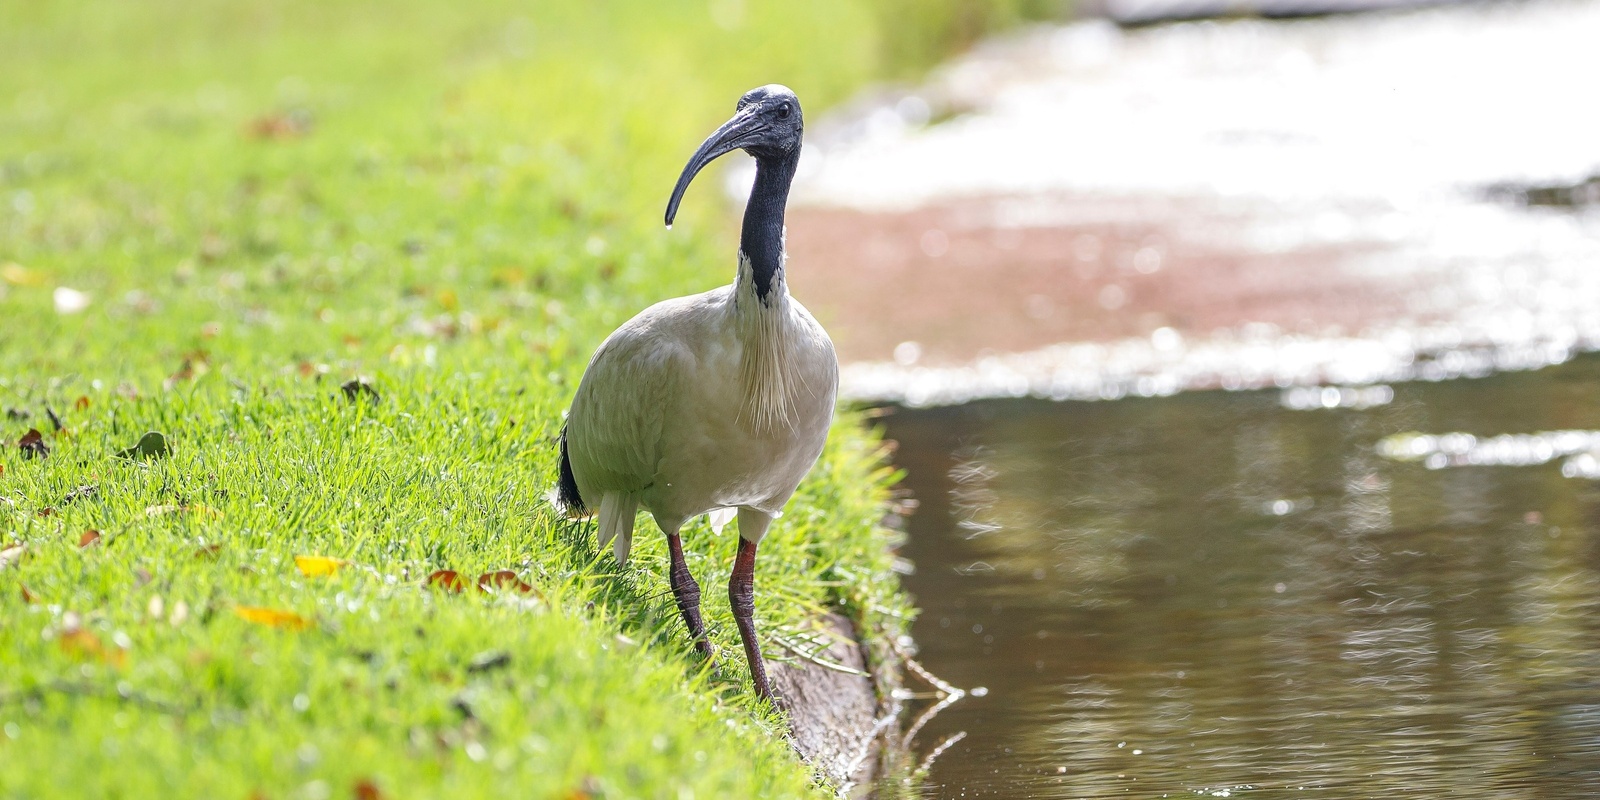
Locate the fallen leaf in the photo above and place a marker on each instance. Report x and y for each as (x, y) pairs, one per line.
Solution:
(46, 511)
(153, 444)
(317, 566)
(32, 444)
(492, 660)
(587, 790)
(367, 790)
(27, 596)
(502, 579)
(89, 537)
(272, 617)
(85, 645)
(54, 420)
(186, 371)
(448, 579)
(359, 389)
(18, 275)
(208, 551)
(509, 276)
(86, 490)
(81, 404)
(288, 125)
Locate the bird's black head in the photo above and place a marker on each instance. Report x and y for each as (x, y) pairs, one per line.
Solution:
(766, 124)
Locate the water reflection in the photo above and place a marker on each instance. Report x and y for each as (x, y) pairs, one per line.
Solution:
(1214, 593)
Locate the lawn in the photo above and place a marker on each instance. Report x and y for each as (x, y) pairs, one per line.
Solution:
(213, 218)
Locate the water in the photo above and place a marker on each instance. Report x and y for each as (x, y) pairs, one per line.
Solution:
(1218, 594)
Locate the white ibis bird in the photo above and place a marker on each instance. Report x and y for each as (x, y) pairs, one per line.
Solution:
(714, 401)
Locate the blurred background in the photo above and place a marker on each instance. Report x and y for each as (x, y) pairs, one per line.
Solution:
(1235, 352)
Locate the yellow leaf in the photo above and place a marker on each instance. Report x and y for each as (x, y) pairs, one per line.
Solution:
(317, 566)
(18, 275)
(272, 617)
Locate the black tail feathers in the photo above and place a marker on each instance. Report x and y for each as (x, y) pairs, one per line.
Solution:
(567, 491)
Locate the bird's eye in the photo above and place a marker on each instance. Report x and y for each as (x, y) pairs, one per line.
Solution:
(783, 111)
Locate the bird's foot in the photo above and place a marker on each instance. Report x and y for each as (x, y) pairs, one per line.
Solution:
(706, 649)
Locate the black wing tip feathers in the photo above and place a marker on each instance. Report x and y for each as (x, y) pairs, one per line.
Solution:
(567, 489)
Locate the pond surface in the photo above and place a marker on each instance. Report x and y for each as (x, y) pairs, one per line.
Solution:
(1214, 594)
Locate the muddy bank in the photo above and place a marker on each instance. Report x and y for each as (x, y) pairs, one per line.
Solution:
(835, 696)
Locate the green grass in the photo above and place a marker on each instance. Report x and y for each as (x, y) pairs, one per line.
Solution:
(457, 201)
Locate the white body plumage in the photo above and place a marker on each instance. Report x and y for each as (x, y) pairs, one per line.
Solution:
(716, 400)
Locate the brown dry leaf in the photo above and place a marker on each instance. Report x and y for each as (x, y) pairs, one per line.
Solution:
(318, 566)
(449, 580)
(367, 790)
(289, 125)
(195, 364)
(46, 511)
(81, 404)
(89, 537)
(27, 596)
(502, 579)
(85, 645)
(272, 618)
(208, 551)
(32, 444)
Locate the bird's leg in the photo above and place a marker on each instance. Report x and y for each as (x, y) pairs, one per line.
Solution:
(687, 593)
(741, 595)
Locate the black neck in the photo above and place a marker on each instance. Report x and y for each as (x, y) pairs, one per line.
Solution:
(762, 238)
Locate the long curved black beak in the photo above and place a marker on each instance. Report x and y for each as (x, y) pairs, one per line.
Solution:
(727, 138)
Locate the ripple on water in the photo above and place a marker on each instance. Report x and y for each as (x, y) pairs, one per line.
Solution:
(1213, 592)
